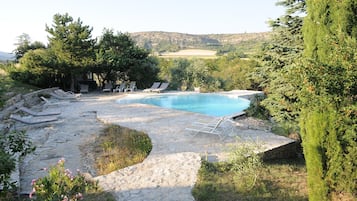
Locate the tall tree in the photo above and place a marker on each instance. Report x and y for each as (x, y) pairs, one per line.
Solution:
(24, 44)
(119, 58)
(277, 63)
(72, 43)
(329, 98)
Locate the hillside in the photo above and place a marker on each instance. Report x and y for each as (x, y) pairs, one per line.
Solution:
(159, 41)
(4, 56)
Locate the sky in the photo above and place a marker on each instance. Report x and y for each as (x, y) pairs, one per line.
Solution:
(183, 16)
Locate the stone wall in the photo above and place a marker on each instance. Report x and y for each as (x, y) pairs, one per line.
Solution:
(27, 100)
(283, 152)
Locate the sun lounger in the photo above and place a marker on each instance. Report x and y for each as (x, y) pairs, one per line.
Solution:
(155, 85)
(34, 113)
(120, 88)
(48, 102)
(68, 94)
(222, 127)
(33, 120)
(108, 87)
(83, 88)
(162, 87)
(55, 95)
(62, 95)
(132, 87)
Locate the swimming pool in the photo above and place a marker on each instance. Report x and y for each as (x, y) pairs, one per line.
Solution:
(209, 104)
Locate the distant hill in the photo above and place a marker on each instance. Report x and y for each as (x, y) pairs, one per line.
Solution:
(4, 56)
(172, 41)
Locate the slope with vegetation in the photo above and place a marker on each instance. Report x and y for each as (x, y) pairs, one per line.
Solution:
(223, 43)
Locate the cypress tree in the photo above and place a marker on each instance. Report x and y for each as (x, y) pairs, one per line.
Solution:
(328, 97)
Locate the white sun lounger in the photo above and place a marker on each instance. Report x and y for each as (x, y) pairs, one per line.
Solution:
(155, 85)
(33, 120)
(162, 87)
(62, 95)
(43, 113)
(120, 88)
(67, 94)
(108, 87)
(48, 102)
(222, 127)
(83, 88)
(132, 87)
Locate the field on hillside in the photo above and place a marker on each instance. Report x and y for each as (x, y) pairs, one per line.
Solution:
(188, 53)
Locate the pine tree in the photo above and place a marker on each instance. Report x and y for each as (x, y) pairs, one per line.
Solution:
(72, 43)
(278, 58)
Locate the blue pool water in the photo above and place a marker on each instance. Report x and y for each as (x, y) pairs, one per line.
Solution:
(209, 104)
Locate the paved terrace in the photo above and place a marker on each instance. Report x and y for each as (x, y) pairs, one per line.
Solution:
(168, 173)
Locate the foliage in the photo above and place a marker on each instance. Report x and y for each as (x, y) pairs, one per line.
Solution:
(119, 147)
(314, 127)
(233, 72)
(178, 74)
(160, 42)
(37, 69)
(224, 73)
(276, 72)
(24, 44)
(279, 180)
(8, 87)
(245, 162)
(119, 59)
(61, 184)
(255, 109)
(72, 45)
(12, 145)
(328, 98)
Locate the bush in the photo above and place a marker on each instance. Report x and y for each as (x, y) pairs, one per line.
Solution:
(255, 108)
(12, 145)
(245, 162)
(61, 184)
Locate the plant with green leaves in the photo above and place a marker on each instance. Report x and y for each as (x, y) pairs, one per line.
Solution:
(61, 184)
(12, 145)
(73, 46)
(329, 99)
(278, 60)
(245, 162)
(118, 58)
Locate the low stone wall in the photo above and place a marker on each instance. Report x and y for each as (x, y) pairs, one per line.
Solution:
(27, 100)
(20, 100)
(283, 152)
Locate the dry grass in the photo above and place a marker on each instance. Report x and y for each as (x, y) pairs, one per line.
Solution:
(191, 53)
(278, 180)
(118, 147)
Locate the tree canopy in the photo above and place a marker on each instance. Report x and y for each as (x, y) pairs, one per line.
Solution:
(118, 58)
(278, 59)
(72, 43)
(72, 53)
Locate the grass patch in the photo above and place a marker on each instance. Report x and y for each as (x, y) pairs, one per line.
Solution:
(118, 147)
(277, 180)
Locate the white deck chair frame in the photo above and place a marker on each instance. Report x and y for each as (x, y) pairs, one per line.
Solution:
(221, 127)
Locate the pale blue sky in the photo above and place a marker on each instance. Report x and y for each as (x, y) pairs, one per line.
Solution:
(184, 16)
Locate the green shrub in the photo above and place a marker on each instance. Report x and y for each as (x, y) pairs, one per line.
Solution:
(245, 162)
(12, 145)
(61, 184)
(257, 110)
(314, 125)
